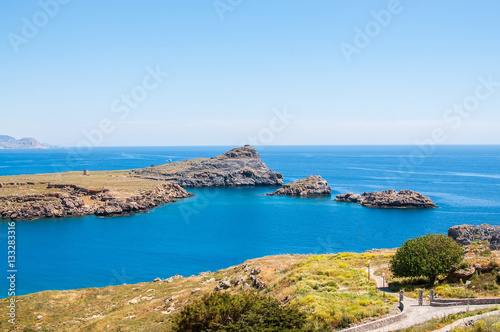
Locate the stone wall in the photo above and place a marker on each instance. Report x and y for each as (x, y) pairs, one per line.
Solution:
(454, 302)
(381, 322)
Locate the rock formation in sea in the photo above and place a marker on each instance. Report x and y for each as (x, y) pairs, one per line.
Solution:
(75, 201)
(466, 234)
(238, 167)
(389, 199)
(313, 185)
(9, 142)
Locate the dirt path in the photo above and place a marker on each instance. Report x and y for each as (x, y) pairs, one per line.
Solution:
(416, 314)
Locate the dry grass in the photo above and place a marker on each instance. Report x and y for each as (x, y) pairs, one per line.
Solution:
(331, 289)
(115, 181)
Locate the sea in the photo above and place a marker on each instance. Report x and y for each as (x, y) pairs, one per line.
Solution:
(222, 227)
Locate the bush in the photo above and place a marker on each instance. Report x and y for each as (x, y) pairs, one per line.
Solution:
(429, 256)
(407, 285)
(459, 292)
(494, 264)
(486, 253)
(247, 312)
(485, 282)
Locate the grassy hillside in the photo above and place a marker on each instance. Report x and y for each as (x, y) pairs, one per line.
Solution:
(333, 290)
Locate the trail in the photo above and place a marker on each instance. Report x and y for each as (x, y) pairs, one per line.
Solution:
(416, 314)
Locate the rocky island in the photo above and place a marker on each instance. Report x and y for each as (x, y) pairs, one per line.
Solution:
(238, 167)
(313, 185)
(389, 199)
(466, 234)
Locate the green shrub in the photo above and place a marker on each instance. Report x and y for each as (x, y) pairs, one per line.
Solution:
(459, 292)
(430, 256)
(408, 285)
(495, 264)
(485, 282)
(486, 253)
(246, 312)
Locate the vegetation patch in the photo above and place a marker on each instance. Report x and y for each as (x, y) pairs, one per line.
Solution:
(330, 291)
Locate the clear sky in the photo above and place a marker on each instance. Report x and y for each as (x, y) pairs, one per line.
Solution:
(257, 71)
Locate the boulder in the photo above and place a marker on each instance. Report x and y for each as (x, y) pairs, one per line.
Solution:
(460, 274)
(223, 284)
(349, 197)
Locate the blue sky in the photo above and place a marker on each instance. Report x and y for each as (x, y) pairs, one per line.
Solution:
(234, 65)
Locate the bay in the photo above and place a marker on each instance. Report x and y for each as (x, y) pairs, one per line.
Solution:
(225, 226)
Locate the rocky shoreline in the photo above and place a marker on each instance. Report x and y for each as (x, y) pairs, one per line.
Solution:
(389, 199)
(238, 167)
(74, 201)
(313, 185)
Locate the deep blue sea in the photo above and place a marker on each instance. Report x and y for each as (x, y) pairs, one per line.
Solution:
(219, 228)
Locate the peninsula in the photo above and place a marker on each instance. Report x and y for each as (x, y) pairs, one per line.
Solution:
(238, 167)
(111, 193)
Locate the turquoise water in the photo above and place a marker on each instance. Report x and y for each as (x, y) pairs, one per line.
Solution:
(222, 227)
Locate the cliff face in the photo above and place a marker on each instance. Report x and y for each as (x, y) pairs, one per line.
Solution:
(238, 167)
(8, 142)
(389, 199)
(466, 234)
(76, 201)
(313, 185)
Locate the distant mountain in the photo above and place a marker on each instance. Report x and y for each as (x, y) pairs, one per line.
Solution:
(6, 139)
(9, 142)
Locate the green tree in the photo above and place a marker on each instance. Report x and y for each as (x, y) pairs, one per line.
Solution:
(430, 256)
(232, 313)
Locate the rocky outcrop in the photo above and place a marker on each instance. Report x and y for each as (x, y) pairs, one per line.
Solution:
(75, 201)
(313, 185)
(389, 199)
(463, 274)
(466, 234)
(238, 167)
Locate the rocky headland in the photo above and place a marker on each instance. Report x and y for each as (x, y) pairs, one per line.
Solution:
(313, 185)
(389, 199)
(9, 142)
(238, 167)
(73, 201)
(466, 234)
